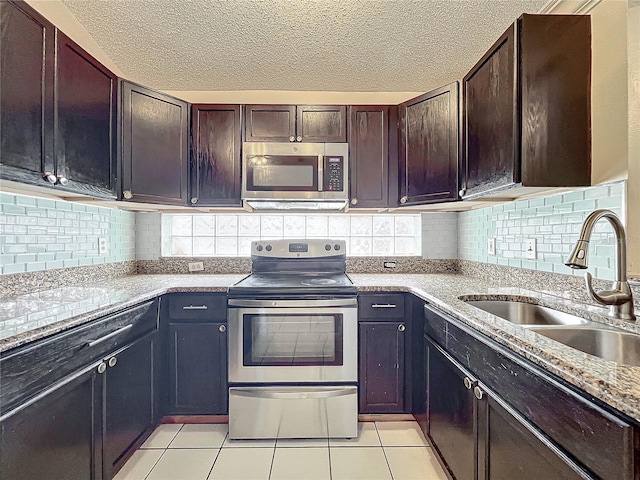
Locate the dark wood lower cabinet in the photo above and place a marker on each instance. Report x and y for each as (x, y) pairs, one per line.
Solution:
(129, 400)
(382, 366)
(198, 368)
(55, 437)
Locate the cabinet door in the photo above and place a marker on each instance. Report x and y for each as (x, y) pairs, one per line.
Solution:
(128, 394)
(510, 447)
(451, 412)
(490, 130)
(86, 121)
(215, 161)
(270, 123)
(54, 437)
(155, 152)
(429, 147)
(26, 97)
(321, 123)
(382, 367)
(198, 368)
(369, 156)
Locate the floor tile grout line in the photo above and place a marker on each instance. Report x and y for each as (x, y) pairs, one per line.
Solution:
(217, 455)
(273, 457)
(156, 463)
(329, 455)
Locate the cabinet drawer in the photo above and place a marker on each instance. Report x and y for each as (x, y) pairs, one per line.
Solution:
(27, 370)
(382, 306)
(210, 307)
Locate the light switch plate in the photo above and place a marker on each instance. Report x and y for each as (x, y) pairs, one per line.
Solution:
(530, 248)
(491, 246)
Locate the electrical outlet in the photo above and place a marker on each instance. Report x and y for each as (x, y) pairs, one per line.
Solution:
(389, 264)
(196, 266)
(103, 247)
(491, 246)
(530, 249)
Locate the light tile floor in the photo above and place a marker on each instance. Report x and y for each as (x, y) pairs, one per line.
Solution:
(383, 450)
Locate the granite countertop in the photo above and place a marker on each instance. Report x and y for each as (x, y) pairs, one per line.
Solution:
(27, 318)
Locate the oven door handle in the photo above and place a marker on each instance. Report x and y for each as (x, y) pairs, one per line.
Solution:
(293, 395)
(335, 302)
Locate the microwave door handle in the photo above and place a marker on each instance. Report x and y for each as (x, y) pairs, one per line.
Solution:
(320, 172)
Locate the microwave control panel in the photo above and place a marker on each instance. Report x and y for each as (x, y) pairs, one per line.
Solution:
(333, 173)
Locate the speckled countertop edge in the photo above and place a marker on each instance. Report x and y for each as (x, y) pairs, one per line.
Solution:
(616, 385)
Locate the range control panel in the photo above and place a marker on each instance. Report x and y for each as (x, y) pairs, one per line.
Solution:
(304, 248)
(333, 180)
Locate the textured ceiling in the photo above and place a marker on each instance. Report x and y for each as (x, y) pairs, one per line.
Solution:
(305, 45)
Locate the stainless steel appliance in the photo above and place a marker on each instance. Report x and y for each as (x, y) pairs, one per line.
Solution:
(295, 176)
(293, 343)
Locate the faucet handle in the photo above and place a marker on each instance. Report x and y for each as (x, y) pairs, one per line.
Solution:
(621, 293)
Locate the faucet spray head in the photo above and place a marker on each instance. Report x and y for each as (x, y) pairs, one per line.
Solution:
(578, 258)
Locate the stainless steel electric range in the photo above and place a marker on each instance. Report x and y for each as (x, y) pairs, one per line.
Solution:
(293, 343)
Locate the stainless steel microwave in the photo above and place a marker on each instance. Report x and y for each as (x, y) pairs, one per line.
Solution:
(299, 172)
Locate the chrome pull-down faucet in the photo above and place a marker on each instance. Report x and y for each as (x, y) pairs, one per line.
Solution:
(619, 298)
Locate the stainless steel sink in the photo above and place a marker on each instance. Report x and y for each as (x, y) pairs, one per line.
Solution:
(526, 313)
(609, 344)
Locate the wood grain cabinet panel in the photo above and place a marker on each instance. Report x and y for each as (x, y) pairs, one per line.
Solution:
(215, 156)
(369, 155)
(526, 116)
(429, 147)
(155, 146)
(291, 123)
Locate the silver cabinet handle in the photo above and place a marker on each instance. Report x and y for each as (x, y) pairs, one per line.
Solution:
(102, 367)
(299, 138)
(404, 199)
(195, 307)
(222, 328)
(468, 383)
(383, 305)
(354, 201)
(477, 391)
(289, 395)
(127, 194)
(194, 200)
(112, 361)
(292, 138)
(401, 327)
(93, 343)
(462, 191)
(62, 180)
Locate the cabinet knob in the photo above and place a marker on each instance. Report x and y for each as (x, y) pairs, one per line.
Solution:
(62, 180)
(403, 199)
(222, 328)
(468, 383)
(462, 191)
(292, 138)
(194, 200)
(127, 194)
(298, 138)
(354, 201)
(477, 391)
(401, 327)
(112, 361)
(50, 177)
(102, 367)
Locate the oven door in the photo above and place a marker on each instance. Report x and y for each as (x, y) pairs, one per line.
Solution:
(293, 341)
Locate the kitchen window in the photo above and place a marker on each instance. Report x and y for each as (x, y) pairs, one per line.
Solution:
(227, 235)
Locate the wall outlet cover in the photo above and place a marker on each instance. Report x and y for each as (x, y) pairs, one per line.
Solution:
(530, 248)
(196, 266)
(103, 246)
(389, 264)
(491, 246)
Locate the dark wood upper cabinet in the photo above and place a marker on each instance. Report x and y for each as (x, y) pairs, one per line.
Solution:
(86, 127)
(428, 141)
(155, 146)
(290, 123)
(65, 139)
(369, 155)
(215, 155)
(526, 110)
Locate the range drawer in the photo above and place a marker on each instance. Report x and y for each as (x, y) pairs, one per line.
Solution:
(381, 306)
(28, 370)
(210, 307)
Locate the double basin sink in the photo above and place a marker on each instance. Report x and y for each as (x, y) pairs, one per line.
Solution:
(589, 337)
